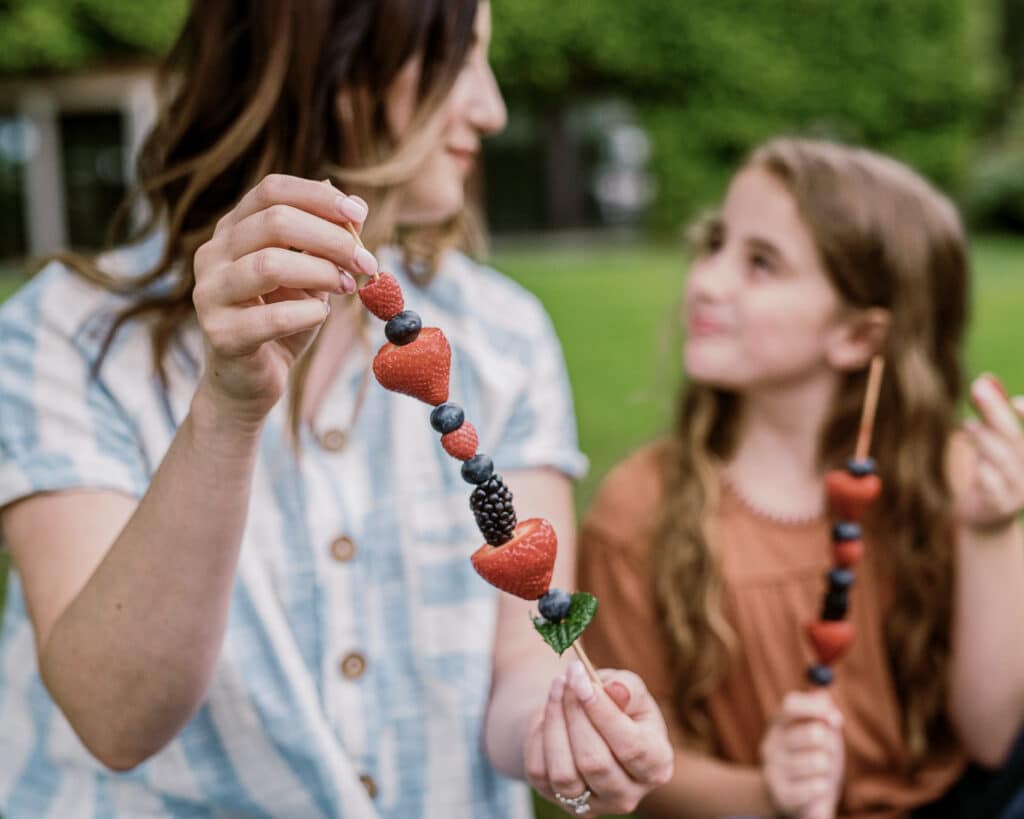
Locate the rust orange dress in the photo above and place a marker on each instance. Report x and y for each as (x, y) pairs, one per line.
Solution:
(773, 579)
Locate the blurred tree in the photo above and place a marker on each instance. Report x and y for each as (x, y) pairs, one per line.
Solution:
(65, 34)
(713, 79)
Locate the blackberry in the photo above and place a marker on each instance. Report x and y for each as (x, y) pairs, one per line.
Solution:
(835, 606)
(491, 503)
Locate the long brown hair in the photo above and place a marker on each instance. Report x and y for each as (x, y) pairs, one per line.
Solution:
(252, 88)
(887, 239)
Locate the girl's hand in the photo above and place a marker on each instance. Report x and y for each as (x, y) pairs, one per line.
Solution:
(611, 743)
(994, 496)
(259, 302)
(802, 756)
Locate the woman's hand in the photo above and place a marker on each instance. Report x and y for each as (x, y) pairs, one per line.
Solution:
(260, 302)
(802, 756)
(995, 495)
(598, 751)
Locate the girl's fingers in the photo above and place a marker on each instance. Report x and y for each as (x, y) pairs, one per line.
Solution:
(562, 774)
(289, 227)
(994, 408)
(314, 197)
(808, 765)
(242, 331)
(271, 268)
(809, 735)
(799, 705)
(994, 450)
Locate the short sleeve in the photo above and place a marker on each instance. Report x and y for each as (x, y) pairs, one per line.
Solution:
(541, 430)
(60, 428)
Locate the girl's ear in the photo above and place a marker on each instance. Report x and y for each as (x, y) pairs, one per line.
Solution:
(858, 337)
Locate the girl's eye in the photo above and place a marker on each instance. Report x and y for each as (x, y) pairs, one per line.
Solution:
(761, 263)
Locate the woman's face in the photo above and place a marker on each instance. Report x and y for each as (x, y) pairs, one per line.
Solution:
(474, 109)
(760, 309)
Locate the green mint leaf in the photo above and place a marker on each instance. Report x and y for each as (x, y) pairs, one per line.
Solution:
(561, 636)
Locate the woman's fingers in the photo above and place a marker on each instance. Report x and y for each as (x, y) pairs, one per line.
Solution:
(241, 331)
(562, 774)
(637, 738)
(800, 705)
(272, 268)
(315, 197)
(289, 227)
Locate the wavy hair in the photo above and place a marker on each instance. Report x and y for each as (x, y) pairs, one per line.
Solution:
(888, 239)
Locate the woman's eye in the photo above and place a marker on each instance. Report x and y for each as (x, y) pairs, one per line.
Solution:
(762, 263)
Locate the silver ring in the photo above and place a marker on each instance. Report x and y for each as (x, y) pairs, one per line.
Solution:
(578, 804)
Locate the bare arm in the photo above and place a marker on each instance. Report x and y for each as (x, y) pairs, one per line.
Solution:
(128, 634)
(987, 673)
(129, 603)
(707, 788)
(524, 665)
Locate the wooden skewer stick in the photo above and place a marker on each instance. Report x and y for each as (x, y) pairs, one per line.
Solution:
(867, 418)
(355, 234)
(586, 663)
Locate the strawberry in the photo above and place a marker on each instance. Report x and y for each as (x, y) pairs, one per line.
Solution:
(419, 369)
(461, 443)
(847, 553)
(383, 297)
(524, 565)
(830, 639)
(850, 496)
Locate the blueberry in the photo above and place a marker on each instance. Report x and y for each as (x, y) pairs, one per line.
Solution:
(861, 467)
(845, 530)
(837, 604)
(404, 328)
(477, 469)
(447, 417)
(820, 675)
(554, 606)
(840, 579)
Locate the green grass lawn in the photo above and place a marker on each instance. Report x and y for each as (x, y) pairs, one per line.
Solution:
(616, 308)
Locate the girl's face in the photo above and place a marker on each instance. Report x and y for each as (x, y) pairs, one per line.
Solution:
(760, 310)
(474, 109)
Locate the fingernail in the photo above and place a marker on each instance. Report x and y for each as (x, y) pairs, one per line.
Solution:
(327, 306)
(348, 284)
(365, 261)
(351, 208)
(557, 689)
(580, 682)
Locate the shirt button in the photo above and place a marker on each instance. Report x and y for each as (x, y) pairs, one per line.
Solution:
(370, 785)
(343, 549)
(333, 440)
(353, 665)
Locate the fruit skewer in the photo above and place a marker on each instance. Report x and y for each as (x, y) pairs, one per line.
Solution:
(518, 557)
(850, 493)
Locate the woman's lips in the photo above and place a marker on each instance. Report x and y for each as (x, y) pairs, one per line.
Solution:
(465, 157)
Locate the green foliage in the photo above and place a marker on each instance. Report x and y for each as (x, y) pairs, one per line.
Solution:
(560, 636)
(711, 80)
(66, 34)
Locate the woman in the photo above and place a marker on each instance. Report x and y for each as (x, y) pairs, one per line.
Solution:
(254, 607)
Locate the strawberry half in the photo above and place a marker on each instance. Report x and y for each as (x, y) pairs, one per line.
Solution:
(420, 369)
(830, 639)
(850, 496)
(462, 442)
(383, 297)
(524, 565)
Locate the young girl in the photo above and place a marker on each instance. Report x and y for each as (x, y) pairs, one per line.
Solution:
(265, 608)
(708, 549)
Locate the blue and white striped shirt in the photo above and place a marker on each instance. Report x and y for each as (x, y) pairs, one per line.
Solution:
(355, 668)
